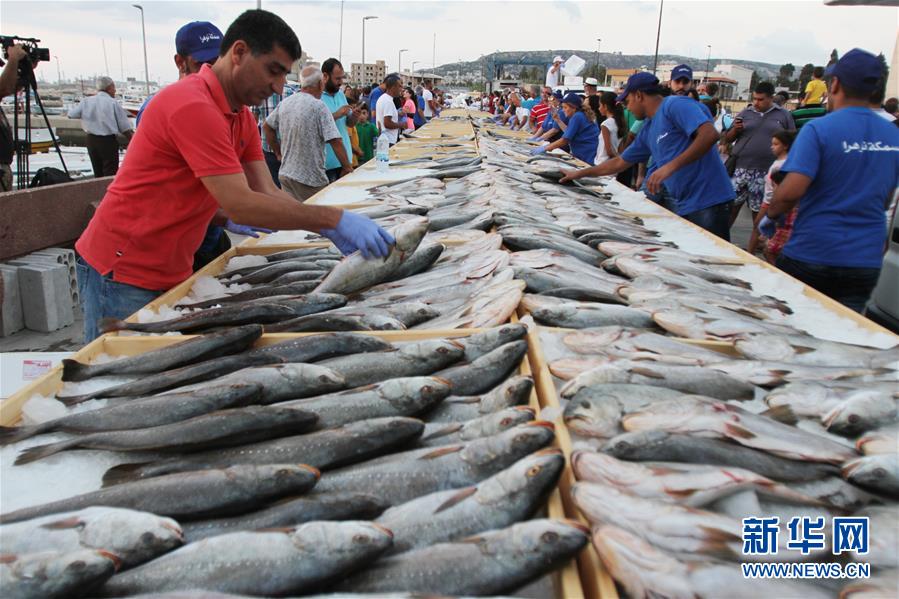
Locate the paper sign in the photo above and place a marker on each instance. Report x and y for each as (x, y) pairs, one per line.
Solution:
(32, 369)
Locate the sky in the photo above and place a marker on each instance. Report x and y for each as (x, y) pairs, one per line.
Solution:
(800, 32)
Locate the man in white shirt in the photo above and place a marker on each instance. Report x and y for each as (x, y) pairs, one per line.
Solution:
(102, 118)
(388, 118)
(428, 96)
(554, 72)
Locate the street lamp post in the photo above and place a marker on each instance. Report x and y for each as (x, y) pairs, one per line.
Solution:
(414, 62)
(364, 19)
(655, 60)
(58, 76)
(399, 61)
(598, 46)
(143, 29)
(708, 60)
(340, 36)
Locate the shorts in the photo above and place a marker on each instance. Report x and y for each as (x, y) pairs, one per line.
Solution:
(749, 185)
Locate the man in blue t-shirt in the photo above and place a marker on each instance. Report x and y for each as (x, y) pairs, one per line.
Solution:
(679, 136)
(842, 172)
(335, 100)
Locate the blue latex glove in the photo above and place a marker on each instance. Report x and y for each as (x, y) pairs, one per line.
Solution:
(534, 138)
(245, 229)
(358, 232)
(767, 227)
(538, 150)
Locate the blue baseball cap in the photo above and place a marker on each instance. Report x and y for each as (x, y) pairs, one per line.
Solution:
(638, 82)
(199, 39)
(858, 69)
(574, 99)
(681, 71)
(558, 95)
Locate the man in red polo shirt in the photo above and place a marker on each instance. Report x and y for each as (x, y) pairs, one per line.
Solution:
(197, 156)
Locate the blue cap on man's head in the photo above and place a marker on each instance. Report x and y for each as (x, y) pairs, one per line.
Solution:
(682, 71)
(638, 82)
(574, 99)
(858, 70)
(199, 39)
(558, 95)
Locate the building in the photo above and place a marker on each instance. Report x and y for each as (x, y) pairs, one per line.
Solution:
(304, 61)
(618, 77)
(419, 77)
(742, 76)
(374, 73)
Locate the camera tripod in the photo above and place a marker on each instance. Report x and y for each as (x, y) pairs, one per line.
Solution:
(23, 145)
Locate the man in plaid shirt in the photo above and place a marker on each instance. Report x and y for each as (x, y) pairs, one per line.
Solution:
(261, 113)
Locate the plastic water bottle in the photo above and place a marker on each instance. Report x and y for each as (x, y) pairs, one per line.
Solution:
(382, 153)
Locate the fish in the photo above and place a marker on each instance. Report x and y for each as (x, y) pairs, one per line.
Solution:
(571, 286)
(446, 433)
(811, 351)
(50, 574)
(141, 413)
(363, 320)
(596, 410)
(641, 569)
(485, 372)
(514, 391)
(300, 276)
(883, 551)
(289, 512)
(713, 580)
(510, 496)
(878, 473)
(705, 417)
(189, 495)
(234, 426)
(768, 373)
(421, 260)
(292, 289)
(861, 411)
(489, 563)
(638, 344)
(347, 444)
(480, 344)
(687, 379)
(281, 382)
(273, 562)
(413, 359)
(190, 351)
(882, 440)
(554, 312)
(410, 474)
(312, 348)
(692, 485)
(355, 273)
(231, 315)
(133, 537)
(658, 445)
(879, 585)
(267, 274)
(307, 253)
(173, 379)
(407, 396)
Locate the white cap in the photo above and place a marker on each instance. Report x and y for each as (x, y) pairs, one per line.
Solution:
(591, 81)
(557, 59)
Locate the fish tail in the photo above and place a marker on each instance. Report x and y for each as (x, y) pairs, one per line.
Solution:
(39, 452)
(14, 434)
(108, 325)
(73, 370)
(72, 400)
(123, 473)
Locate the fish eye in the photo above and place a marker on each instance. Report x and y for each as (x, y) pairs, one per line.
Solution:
(853, 418)
(427, 388)
(506, 421)
(534, 470)
(147, 538)
(549, 537)
(585, 404)
(879, 472)
(360, 539)
(77, 565)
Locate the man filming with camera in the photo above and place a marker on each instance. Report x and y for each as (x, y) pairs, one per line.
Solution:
(8, 79)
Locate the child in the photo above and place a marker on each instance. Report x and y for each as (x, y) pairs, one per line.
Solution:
(351, 119)
(367, 133)
(780, 146)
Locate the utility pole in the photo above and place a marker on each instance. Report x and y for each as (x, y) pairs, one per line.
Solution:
(121, 59)
(340, 37)
(399, 62)
(655, 61)
(105, 58)
(364, 73)
(707, 62)
(58, 76)
(144, 31)
(598, 45)
(434, 53)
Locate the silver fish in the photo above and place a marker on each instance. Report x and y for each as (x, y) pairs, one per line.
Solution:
(878, 473)
(51, 574)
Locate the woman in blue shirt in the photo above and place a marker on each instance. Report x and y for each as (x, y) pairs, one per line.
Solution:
(582, 135)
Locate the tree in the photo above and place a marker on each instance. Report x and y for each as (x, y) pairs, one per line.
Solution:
(754, 80)
(785, 75)
(884, 66)
(834, 57)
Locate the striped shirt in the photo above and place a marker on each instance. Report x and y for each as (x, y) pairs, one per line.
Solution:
(539, 113)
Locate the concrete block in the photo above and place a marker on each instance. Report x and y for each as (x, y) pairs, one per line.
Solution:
(62, 254)
(46, 297)
(33, 259)
(11, 317)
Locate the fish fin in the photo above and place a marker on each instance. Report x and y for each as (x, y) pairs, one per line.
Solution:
(14, 434)
(73, 370)
(679, 493)
(716, 535)
(33, 454)
(73, 522)
(738, 431)
(449, 429)
(719, 550)
(72, 400)
(646, 372)
(108, 325)
(123, 473)
(802, 349)
(783, 414)
(442, 452)
(284, 529)
(8, 558)
(458, 497)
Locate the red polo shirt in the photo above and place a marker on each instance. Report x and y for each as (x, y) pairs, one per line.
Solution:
(539, 113)
(155, 213)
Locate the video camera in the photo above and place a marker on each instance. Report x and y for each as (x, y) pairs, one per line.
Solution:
(33, 53)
